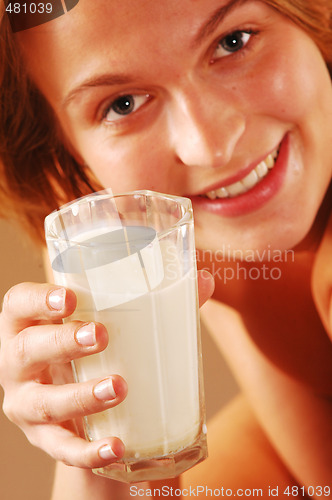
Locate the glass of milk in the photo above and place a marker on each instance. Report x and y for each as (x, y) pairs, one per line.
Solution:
(131, 261)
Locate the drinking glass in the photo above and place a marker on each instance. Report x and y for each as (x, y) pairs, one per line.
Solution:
(130, 259)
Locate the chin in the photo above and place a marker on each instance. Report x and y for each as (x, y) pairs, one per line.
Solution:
(262, 238)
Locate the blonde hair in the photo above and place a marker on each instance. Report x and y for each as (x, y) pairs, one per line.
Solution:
(37, 173)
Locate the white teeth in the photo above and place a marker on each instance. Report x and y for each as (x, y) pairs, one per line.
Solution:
(262, 169)
(251, 179)
(248, 182)
(222, 193)
(270, 161)
(212, 195)
(236, 189)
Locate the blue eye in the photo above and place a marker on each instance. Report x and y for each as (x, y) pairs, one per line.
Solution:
(233, 42)
(124, 106)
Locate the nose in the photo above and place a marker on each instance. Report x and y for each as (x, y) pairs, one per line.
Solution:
(204, 131)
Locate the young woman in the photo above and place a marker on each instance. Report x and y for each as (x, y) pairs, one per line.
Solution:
(228, 102)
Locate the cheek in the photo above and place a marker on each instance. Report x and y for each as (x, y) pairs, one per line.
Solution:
(124, 165)
(287, 84)
(120, 162)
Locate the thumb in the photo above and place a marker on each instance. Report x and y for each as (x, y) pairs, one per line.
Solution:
(205, 283)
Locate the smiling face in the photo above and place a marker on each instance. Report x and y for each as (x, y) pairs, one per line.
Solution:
(228, 103)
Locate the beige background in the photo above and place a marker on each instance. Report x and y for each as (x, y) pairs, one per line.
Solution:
(25, 471)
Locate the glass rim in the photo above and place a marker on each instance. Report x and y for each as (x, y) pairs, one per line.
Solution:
(184, 202)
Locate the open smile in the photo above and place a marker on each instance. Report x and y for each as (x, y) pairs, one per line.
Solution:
(248, 182)
(242, 195)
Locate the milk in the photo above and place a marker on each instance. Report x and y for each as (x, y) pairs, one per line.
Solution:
(130, 258)
(152, 345)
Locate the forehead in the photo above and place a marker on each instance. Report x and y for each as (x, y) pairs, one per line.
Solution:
(95, 24)
(123, 15)
(112, 32)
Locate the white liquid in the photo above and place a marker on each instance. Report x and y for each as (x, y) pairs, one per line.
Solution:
(153, 346)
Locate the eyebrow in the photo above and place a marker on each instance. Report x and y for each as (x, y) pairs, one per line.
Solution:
(107, 80)
(120, 79)
(214, 20)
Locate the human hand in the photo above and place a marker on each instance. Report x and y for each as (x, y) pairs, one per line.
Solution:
(205, 283)
(40, 396)
(35, 372)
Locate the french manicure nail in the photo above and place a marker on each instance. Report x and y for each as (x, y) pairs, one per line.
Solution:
(106, 452)
(56, 299)
(86, 335)
(104, 391)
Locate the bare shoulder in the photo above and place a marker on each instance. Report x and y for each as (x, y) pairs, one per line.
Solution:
(240, 455)
(322, 279)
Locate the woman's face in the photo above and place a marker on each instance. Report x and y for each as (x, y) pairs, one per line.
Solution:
(225, 102)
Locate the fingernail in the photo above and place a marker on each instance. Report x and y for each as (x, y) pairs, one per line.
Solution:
(106, 452)
(86, 335)
(104, 391)
(56, 299)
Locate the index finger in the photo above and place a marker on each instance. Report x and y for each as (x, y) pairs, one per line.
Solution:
(27, 304)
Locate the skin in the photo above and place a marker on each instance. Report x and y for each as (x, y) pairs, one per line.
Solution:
(209, 114)
(171, 143)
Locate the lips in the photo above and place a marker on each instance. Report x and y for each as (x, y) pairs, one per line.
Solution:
(248, 182)
(252, 190)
